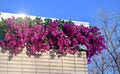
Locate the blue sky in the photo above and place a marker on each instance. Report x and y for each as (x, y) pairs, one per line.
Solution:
(80, 10)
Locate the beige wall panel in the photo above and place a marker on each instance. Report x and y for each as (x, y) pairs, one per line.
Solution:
(23, 64)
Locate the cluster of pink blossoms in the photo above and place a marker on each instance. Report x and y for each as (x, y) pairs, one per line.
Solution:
(43, 38)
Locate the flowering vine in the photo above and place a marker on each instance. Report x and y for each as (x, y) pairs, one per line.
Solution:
(58, 35)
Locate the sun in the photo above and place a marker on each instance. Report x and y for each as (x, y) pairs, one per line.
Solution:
(23, 15)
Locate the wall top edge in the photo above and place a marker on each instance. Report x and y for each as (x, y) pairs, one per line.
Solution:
(8, 15)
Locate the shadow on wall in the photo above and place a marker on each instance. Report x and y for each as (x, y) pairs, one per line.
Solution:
(52, 53)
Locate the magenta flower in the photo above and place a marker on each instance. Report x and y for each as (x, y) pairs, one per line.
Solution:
(75, 43)
(42, 37)
(7, 36)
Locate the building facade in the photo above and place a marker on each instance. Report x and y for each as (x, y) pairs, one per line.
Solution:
(44, 64)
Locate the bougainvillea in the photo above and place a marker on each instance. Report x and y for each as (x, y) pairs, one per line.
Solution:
(37, 36)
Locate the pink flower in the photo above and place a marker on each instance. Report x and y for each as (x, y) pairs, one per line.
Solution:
(54, 33)
(39, 37)
(75, 42)
(45, 46)
(7, 36)
(62, 50)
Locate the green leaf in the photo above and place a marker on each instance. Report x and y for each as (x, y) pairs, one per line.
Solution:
(2, 27)
(38, 20)
(47, 21)
(70, 22)
(61, 24)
